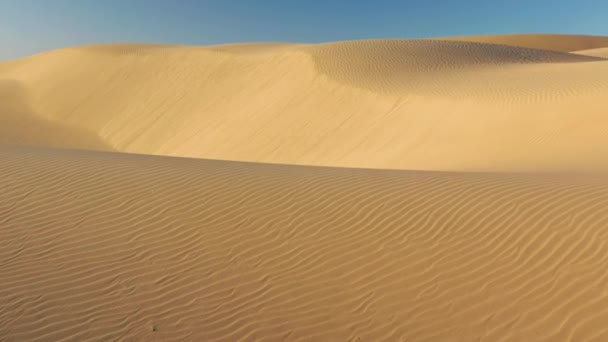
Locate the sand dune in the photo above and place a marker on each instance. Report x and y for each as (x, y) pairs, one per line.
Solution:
(556, 42)
(432, 105)
(116, 246)
(406, 240)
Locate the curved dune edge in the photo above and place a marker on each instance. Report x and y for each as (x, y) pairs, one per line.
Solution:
(114, 246)
(599, 52)
(444, 68)
(398, 104)
(20, 123)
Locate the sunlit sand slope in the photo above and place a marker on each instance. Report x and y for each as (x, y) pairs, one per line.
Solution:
(405, 104)
(111, 246)
(601, 52)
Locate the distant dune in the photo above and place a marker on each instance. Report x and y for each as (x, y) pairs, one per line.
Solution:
(555, 42)
(403, 215)
(420, 104)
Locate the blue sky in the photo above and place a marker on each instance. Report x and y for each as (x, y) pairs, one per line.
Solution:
(30, 26)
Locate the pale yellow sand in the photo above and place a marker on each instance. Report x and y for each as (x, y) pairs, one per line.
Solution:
(421, 104)
(599, 52)
(117, 246)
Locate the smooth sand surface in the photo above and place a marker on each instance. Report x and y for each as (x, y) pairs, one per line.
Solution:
(417, 104)
(599, 52)
(402, 218)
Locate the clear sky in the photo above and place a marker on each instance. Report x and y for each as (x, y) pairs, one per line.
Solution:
(30, 26)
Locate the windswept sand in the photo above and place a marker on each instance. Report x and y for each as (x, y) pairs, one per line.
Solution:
(422, 232)
(112, 246)
(556, 42)
(418, 104)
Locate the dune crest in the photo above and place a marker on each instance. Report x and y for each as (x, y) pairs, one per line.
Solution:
(600, 52)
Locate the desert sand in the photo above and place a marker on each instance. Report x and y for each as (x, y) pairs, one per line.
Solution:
(451, 189)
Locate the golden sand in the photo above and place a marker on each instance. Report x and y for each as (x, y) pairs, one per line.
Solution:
(401, 216)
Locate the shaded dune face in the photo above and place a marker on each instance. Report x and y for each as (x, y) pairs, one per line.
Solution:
(482, 71)
(114, 246)
(402, 104)
(19, 124)
(552, 42)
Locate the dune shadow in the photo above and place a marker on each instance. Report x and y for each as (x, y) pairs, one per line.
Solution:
(21, 125)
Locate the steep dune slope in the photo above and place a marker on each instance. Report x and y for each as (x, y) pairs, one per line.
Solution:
(19, 123)
(121, 247)
(442, 105)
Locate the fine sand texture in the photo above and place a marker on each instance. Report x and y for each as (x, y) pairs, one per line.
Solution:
(599, 52)
(398, 104)
(450, 189)
(110, 246)
(555, 42)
